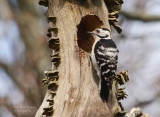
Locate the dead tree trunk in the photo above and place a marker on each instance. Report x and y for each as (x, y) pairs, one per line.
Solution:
(72, 84)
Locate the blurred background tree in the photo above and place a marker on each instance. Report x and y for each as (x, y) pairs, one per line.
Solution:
(24, 55)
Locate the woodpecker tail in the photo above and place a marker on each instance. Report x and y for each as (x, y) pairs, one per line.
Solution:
(104, 93)
(106, 86)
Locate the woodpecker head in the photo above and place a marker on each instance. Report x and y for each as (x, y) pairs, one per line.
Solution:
(101, 33)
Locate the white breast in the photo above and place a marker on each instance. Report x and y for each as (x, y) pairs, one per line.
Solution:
(94, 62)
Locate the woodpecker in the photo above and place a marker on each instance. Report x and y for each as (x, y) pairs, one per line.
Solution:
(104, 58)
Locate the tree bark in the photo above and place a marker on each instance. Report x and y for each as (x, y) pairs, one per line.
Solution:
(77, 93)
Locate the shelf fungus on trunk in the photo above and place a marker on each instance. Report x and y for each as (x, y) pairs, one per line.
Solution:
(52, 76)
(53, 93)
(55, 55)
(51, 73)
(113, 7)
(53, 29)
(55, 59)
(43, 2)
(49, 34)
(54, 43)
(136, 112)
(120, 79)
(51, 101)
(53, 86)
(51, 81)
(48, 111)
(52, 19)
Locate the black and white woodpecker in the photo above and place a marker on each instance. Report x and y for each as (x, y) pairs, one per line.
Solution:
(104, 57)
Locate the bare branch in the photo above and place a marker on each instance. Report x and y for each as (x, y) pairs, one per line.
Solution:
(141, 17)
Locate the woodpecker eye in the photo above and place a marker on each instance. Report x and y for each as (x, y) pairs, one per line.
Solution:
(97, 31)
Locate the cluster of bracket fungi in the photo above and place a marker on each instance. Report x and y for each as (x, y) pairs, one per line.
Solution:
(120, 79)
(52, 76)
(113, 8)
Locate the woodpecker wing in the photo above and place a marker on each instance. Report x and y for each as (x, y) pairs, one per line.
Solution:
(106, 54)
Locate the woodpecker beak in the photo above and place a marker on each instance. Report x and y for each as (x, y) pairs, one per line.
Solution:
(90, 33)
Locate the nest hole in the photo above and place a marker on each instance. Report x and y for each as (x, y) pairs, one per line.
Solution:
(88, 23)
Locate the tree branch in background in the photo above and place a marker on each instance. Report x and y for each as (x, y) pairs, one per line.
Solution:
(141, 17)
(9, 72)
(147, 102)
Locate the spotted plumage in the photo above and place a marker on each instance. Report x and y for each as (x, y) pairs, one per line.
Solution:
(104, 58)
